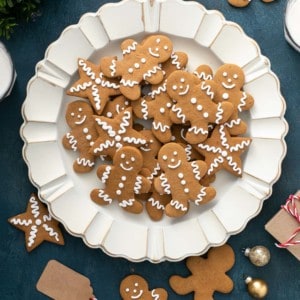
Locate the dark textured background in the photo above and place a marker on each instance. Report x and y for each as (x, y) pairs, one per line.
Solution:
(19, 271)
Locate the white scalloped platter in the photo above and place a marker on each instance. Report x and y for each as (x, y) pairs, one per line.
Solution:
(207, 38)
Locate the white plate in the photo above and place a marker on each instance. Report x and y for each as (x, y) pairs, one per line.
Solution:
(207, 38)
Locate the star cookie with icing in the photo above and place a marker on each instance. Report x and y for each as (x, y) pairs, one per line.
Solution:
(115, 133)
(93, 85)
(223, 151)
(37, 225)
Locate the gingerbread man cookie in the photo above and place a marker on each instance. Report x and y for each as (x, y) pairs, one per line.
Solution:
(122, 180)
(93, 85)
(208, 274)
(136, 287)
(158, 104)
(81, 138)
(181, 179)
(141, 62)
(114, 133)
(230, 79)
(222, 151)
(115, 106)
(194, 104)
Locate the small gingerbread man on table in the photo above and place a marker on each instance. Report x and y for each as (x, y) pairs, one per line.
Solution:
(122, 180)
(136, 287)
(181, 179)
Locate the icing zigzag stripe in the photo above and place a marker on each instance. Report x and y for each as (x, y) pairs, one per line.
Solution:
(156, 203)
(233, 123)
(133, 140)
(130, 83)
(240, 146)
(47, 218)
(179, 113)
(165, 184)
(72, 141)
(243, 102)
(154, 295)
(160, 126)
(219, 114)
(161, 89)
(105, 174)
(234, 165)
(197, 130)
(80, 87)
(125, 122)
(130, 48)
(151, 72)
(107, 144)
(175, 61)
(201, 195)
(138, 185)
(209, 148)
(203, 75)
(108, 128)
(51, 232)
(125, 203)
(196, 170)
(144, 109)
(217, 161)
(207, 88)
(86, 69)
(21, 222)
(178, 205)
(32, 235)
(34, 207)
(96, 97)
(85, 162)
(104, 196)
(112, 67)
(188, 152)
(223, 137)
(154, 172)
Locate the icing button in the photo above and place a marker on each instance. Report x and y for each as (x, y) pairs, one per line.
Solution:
(180, 175)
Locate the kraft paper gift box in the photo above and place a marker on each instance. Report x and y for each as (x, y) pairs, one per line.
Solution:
(283, 225)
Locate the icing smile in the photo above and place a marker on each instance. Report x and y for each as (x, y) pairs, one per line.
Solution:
(145, 149)
(185, 91)
(152, 53)
(138, 295)
(81, 121)
(228, 86)
(124, 168)
(175, 166)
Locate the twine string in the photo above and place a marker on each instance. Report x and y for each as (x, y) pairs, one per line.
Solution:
(291, 208)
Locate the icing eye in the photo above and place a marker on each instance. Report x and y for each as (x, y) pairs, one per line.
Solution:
(136, 284)
(127, 290)
(175, 153)
(182, 80)
(156, 49)
(235, 76)
(143, 60)
(151, 141)
(130, 70)
(225, 74)
(174, 87)
(80, 109)
(165, 157)
(72, 114)
(166, 47)
(122, 155)
(136, 65)
(132, 159)
(161, 110)
(157, 41)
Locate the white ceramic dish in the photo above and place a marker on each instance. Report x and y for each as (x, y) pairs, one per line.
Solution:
(207, 38)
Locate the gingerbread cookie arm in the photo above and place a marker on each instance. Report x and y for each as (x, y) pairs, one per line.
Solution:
(69, 142)
(180, 285)
(110, 66)
(162, 185)
(246, 102)
(159, 294)
(142, 185)
(154, 75)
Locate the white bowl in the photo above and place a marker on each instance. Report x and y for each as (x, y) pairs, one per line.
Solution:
(207, 38)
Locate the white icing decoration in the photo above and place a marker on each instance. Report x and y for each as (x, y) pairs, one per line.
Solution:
(133, 140)
(207, 88)
(159, 126)
(34, 207)
(156, 203)
(85, 162)
(128, 82)
(51, 232)
(234, 165)
(185, 91)
(21, 222)
(118, 192)
(217, 161)
(164, 183)
(72, 141)
(104, 196)
(85, 130)
(81, 87)
(242, 145)
(86, 69)
(138, 185)
(96, 97)
(112, 68)
(154, 295)
(196, 170)
(107, 144)
(105, 126)
(32, 235)
(178, 205)
(125, 122)
(223, 137)
(180, 175)
(144, 109)
(125, 168)
(175, 166)
(155, 171)
(161, 89)
(233, 123)
(203, 75)
(225, 96)
(179, 114)
(242, 102)
(219, 114)
(228, 86)
(200, 196)
(130, 48)
(150, 72)
(174, 58)
(152, 53)
(125, 203)
(197, 130)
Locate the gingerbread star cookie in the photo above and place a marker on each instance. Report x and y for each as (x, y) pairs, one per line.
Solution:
(115, 133)
(93, 85)
(37, 225)
(223, 151)
(208, 274)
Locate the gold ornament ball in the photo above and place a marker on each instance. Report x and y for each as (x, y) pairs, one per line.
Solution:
(258, 255)
(257, 288)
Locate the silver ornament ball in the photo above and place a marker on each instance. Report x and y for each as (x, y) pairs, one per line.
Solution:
(258, 255)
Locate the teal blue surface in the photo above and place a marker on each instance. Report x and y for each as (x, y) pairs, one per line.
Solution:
(19, 270)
